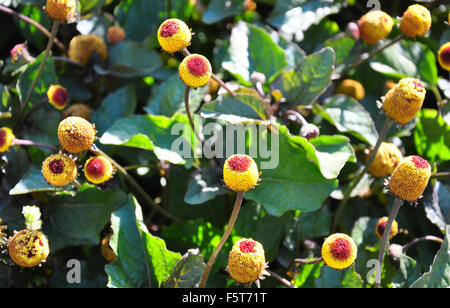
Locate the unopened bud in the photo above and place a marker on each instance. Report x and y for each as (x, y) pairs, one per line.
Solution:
(309, 131)
(352, 30)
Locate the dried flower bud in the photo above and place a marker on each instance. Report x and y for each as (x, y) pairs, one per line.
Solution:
(76, 135)
(82, 46)
(28, 248)
(375, 26)
(387, 159)
(416, 21)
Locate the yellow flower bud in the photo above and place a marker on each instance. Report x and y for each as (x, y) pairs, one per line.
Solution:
(76, 135)
(78, 110)
(6, 138)
(195, 70)
(82, 46)
(351, 88)
(98, 169)
(61, 10)
(115, 34)
(240, 173)
(28, 248)
(59, 169)
(375, 26)
(387, 159)
(246, 261)
(57, 96)
(404, 100)
(444, 56)
(174, 35)
(339, 251)
(416, 21)
(410, 178)
(381, 225)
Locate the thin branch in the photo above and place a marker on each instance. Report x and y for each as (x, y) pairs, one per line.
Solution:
(24, 142)
(299, 117)
(439, 175)
(188, 112)
(281, 279)
(307, 261)
(234, 214)
(34, 23)
(423, 238)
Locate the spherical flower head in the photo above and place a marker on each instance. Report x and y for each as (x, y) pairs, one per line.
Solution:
(115, 34)
(240, 172)
(195, 70)
(410, 178)
(82, 46)
(444, 56)
(28, 248)
(6, 138)
(174, 35)
(246, 261)
(351, 88)
(98, 169)
(404, 100)
(375, 26)
(106, 250)
(309, 131)
(76, 135)
(339, 251)
(416, 21)
(57, 96)
(387, 159)
(78, 110)
(61, 10)
(381, 225)
(59, 169)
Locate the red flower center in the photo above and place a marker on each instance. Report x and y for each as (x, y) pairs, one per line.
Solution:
(197, 66)
(95, 167)
(247, 246)
(239, 163)
(420, 162)
(56, 166)
(169, 28)
(340, 249)
(418, 86)
(60, 97)
(381, 226)
(445, 55)
(2, 137)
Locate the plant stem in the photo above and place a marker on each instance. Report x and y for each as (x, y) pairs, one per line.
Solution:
(234, 214)
(24, 142)
(440, 101)
(306, 261)
(281, 279)
(441, 175)
(423, 238)
(136, 186)
(186, 52)
(299, 117)
(384, 240)
(41, 66)
(34, 23)
(381, 137)
(188, 112)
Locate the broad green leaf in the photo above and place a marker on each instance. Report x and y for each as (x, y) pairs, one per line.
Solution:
(204, 185)
(92, 275)
(439, 273)
(168, 97)
(142, 259)
(242, 108)
(129, 59)
(188, 271)
(293, 17)
(331, 278)
(48, 77)
(315, 35)
(408, 272)
(305, 84)
(43, 126)
(407, 59)
(154, 133)
(348, 115)
(32, 181)
(432, 136)
(116, 105)
(436, 200)
(253, 50)
(307, 275)
(220, 9)
(29, 32)
(347, 51)
(294, 183)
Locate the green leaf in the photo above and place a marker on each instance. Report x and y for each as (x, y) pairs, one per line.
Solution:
(129, 59)
(242, 108)
(29, 32)
(305, 84)
(439, 273)
(204, 185)
(48, 77)
(253, 50)
(188, 271)
(436, 200)
(116, 105)
(142, 259)
(331, 278)
(408, 272)
(43, 126)
(88, 6)
(407, 59)
(220, 9)
(348, 115)
(432, 135)
(168, 97)
(32, 181)
(153, 133)
(294, 183)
